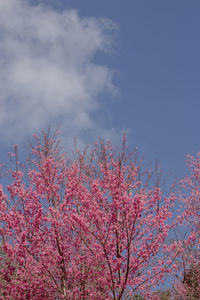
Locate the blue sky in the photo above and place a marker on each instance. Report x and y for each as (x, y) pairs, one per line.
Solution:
(101, 68)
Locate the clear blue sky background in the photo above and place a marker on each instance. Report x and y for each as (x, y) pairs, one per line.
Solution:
(158, 56)
(155, 54)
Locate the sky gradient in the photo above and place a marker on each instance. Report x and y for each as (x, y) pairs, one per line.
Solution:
(100, 68)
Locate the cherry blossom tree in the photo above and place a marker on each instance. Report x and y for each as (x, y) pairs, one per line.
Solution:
(188, 284)
(87, 226)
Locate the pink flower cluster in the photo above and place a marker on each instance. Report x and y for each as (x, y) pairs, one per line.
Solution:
(86, 228)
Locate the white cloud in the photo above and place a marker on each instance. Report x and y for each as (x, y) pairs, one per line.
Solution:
(47, 69)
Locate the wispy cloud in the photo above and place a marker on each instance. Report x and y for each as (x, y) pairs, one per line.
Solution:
(48, 71)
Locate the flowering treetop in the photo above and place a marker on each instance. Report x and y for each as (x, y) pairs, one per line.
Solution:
(88, 227)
